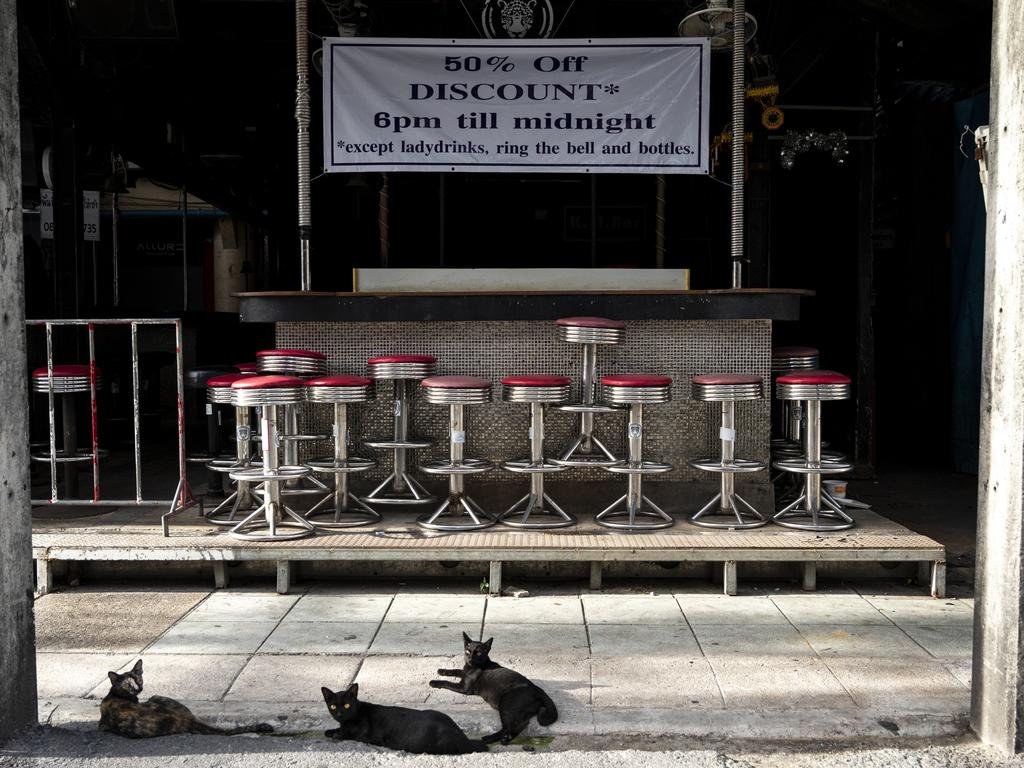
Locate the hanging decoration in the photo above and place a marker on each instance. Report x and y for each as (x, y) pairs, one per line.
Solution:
(517, 18)
(765, 94)
(724, 139)
(798, 142)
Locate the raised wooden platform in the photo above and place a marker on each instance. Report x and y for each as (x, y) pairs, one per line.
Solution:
(134, 535)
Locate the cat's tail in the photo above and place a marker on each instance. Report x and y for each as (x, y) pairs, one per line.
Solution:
(475, 745)
(214, 731)
(548, 711)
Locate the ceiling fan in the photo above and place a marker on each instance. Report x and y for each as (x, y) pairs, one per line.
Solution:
(714, 21)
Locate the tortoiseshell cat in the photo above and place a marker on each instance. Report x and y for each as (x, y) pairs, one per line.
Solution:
(423, 731)
(512, 694)
(122, 713)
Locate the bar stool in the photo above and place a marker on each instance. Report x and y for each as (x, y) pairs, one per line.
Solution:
(68, 381)
(280, 522)
(813, 387)
(727, 388)
(538, 391)
(249, 368)
(303, 364)
(348, 511)
(636, 391)
(400, 370)
(784, 360)
(588, 331)
(457, 392)
(219, 392)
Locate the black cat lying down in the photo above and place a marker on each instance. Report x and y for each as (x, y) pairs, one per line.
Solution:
(122, 713)
(410, 730)
(512, 694)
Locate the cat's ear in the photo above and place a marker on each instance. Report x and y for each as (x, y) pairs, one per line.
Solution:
(137, 669)
(114, 678)
(466, 638)
(487, 645)
(328, 694)
(353, 690)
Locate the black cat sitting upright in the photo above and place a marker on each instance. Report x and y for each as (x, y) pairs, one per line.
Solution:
(423, 731)
(513, 695)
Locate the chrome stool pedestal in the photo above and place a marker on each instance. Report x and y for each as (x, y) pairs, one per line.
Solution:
(347, 510)
(788, 421)
(301, 364)
(530, 511)
(273, 520)
(219, 392)
(727, 503)
(814, 509)
(458, 512)
(636, 391)
(400, 487)
(587, 450)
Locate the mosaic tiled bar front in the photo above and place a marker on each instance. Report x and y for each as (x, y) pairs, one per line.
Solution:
(674, 432)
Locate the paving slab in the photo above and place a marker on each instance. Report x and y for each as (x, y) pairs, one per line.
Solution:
(537, 639)
(243, 606)
(846, 608)
(632, 609)
(778, 683)
(901, 684)
(729, 609)
(674, 681)
(436, 609)
(760, 640)
(923, 610)
(291, 678)
(186, 678)
(344, 608)
(410, 639)
(106, 621)
(75, 674)
(399, 679)
(961, 669)
(188, 636)
(654, 641)
(948, 641)
(556, 609)
(861, 640)
(320, 637)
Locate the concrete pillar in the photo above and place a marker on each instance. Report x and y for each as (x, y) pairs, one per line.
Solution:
(17, 631)
(997, 695)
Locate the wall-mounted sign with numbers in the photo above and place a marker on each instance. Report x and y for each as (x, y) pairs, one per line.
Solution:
(552, 106)
(46, 214)
(91, 216)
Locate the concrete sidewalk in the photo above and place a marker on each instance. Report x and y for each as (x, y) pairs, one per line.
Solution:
(842, 663)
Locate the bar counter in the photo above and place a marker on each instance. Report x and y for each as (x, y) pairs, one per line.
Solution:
(743, 304)
(494, 335)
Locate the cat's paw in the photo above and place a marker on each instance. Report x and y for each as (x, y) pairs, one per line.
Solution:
(333, 733)
(437, 683)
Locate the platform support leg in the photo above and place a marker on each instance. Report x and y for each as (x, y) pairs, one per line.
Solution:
(595, 574)
(939, 578)
(284, 576)
(220, 574)
(810, 577)
(494, 578)
(729, 577)
(44, 576)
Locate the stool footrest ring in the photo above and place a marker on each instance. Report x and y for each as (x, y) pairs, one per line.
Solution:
(640, 468)
(333, 467)
(262, 475)
(529, 467)
(410, 444)
(801, 467)
(736, 466)
(464, 467)
(590, 408)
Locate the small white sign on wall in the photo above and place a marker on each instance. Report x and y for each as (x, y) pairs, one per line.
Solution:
(46, 214)
(91, 216)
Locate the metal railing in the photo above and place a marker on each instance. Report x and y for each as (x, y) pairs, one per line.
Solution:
(183, 498)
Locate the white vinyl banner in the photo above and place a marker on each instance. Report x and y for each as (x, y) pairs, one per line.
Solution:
(556, 106)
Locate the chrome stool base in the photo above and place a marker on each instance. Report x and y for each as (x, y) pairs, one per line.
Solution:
(789, 516)
(635, 507)
(347, 509)
(746, 516)
(451, 516)
(524, 513)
